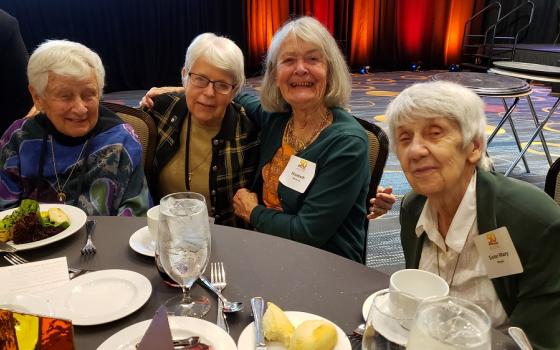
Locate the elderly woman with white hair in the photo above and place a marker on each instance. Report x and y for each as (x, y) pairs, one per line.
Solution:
(74, 151)
(206, 143)
(493, 239)
(313, 174)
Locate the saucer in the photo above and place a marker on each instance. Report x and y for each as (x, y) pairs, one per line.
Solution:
(141, 242)
(386, 325)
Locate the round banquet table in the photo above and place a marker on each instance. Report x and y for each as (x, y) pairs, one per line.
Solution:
(294, 276)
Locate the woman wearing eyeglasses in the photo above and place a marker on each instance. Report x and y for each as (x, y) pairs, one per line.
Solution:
(206, 143)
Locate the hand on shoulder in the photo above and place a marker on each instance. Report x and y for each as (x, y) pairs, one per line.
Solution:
(148, 102)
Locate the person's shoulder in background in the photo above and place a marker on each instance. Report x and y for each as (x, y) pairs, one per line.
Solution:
(15, 98)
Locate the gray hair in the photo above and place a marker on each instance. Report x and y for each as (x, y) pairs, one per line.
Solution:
(220, 52)
(66, 58)
(308, 29)
(441, 99)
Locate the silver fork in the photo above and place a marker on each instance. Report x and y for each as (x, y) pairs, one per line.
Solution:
(15, 259)
(218, 280)
(89, 248)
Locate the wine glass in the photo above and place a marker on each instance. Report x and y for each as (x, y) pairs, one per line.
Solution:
(184, 248)
(450, 323)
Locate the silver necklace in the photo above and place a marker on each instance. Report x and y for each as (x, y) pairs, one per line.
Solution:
(454, 269)
(60, 189)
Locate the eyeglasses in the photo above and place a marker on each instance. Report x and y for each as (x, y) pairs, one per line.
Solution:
(201, 81)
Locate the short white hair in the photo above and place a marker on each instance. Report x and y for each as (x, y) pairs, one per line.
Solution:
(65, 58)
(309, 30)
(441, 99)
(220, 52)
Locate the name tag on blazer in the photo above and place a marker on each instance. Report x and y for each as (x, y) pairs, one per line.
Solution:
(298, 174)
(498, 253)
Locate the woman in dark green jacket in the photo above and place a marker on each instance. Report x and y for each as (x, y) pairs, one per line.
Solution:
(460, 219)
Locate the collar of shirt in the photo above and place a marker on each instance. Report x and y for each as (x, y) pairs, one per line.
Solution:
(460, 225)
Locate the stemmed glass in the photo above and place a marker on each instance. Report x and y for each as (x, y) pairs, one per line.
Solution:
(184, 248)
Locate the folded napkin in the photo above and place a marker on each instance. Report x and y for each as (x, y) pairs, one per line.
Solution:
(158, 335)
(25, 331)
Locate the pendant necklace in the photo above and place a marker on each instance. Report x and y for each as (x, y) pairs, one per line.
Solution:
(454, 269)
(60, 189)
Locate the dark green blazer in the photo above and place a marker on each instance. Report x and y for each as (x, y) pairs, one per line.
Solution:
(531, 299)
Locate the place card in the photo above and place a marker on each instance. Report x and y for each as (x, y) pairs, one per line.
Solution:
(34, 277)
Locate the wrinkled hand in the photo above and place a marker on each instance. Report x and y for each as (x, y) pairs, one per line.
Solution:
(382, 203)
(147, 100)
(244, 202)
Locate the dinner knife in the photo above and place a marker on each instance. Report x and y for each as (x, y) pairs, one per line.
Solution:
(257, 304)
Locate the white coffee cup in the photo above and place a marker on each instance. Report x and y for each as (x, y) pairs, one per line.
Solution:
(153, 221)
(413, 286)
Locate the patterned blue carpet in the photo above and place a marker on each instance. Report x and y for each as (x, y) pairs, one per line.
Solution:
(370, 96)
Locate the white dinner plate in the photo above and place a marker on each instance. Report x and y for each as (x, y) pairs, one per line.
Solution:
(141, 242)
(181, 327)
(247, 338)
(101, 296)
(25, 303)
(389, 327)
(77, 219)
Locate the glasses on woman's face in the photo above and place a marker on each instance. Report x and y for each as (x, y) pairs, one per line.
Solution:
(202, 82)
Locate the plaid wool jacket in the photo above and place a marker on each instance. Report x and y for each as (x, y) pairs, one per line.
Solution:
(235, 153)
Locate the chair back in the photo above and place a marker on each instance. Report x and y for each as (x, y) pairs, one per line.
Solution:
(378, 153)
(552, 183)
(143, 126)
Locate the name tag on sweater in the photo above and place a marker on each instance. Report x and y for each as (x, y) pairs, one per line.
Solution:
(498, 253)
(298, 174)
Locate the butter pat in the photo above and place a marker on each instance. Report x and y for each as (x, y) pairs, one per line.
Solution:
(314, 335)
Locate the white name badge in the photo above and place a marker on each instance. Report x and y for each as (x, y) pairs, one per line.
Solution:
(498, 253)
(298, 174)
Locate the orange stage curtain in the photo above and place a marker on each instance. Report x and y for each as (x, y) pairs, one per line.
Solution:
(323, 10)
(379, 33)
(361, 37)
(460, 11)
(430, 31)
(264, 17)
(392, 33)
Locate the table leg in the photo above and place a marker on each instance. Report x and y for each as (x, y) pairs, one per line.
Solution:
(541, 135)
(534, 136)
(503, 120)
(516, 136)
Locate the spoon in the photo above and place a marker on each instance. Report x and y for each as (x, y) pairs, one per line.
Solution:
(520, 338)
(229, 306)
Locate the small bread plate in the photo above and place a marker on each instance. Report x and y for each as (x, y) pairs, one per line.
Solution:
(25, 303)
(389, 327)
(142, 243)
(77, 219)
(247, 338)
(181, 327)
(90, 298)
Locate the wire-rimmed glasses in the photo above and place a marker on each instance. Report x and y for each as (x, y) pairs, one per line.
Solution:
(202, 82)
(184, 248)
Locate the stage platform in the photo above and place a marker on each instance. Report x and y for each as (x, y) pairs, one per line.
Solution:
(548, 54)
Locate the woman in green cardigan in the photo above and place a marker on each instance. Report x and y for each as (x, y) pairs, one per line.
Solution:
(313, 174)
(459, 218)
